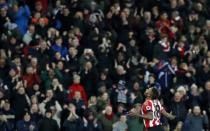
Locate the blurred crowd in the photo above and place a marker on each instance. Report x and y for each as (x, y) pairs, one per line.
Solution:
(81, 65)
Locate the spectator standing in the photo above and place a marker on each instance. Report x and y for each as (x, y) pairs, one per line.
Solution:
(196, 120)
(73, 121)
(107, 118)
(26, 124)
(47, 123)
(120, 125)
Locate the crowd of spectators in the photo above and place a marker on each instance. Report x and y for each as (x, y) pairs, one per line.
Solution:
(81, 65)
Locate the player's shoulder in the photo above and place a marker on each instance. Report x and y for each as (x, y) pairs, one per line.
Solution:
(147, 102)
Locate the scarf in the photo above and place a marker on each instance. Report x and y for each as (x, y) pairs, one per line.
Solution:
(109, 117)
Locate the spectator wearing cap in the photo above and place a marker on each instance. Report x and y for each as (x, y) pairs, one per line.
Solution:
(107, 118)
(26, 124)
(47, 123)
(122, 92)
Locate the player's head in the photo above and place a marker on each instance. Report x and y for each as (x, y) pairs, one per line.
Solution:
(151, 93)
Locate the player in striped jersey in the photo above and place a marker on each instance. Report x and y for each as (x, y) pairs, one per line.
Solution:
(151, 111)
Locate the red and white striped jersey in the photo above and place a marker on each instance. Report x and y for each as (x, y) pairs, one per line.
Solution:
(156, 108)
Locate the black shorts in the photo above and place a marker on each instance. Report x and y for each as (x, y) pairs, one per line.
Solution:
(156, 128)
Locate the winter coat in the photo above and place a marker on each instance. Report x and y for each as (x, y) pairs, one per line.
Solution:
(21, 18)
(47, 124)
(135, 124)
(107, 122)
(26, 126)
(196, 123)
(77, 87)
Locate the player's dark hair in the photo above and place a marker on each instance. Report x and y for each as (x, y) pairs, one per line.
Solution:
(155, 93)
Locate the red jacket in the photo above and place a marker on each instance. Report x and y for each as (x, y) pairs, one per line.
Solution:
(77, 87)
(31, 79)
(164, 27)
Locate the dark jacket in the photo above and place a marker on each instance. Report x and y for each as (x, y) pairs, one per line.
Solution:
(196, 123)
(90, 127)
(178, 109)
(107, 122)
(71, 125)
(26, 126)
(20, 105)
(47, 124)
